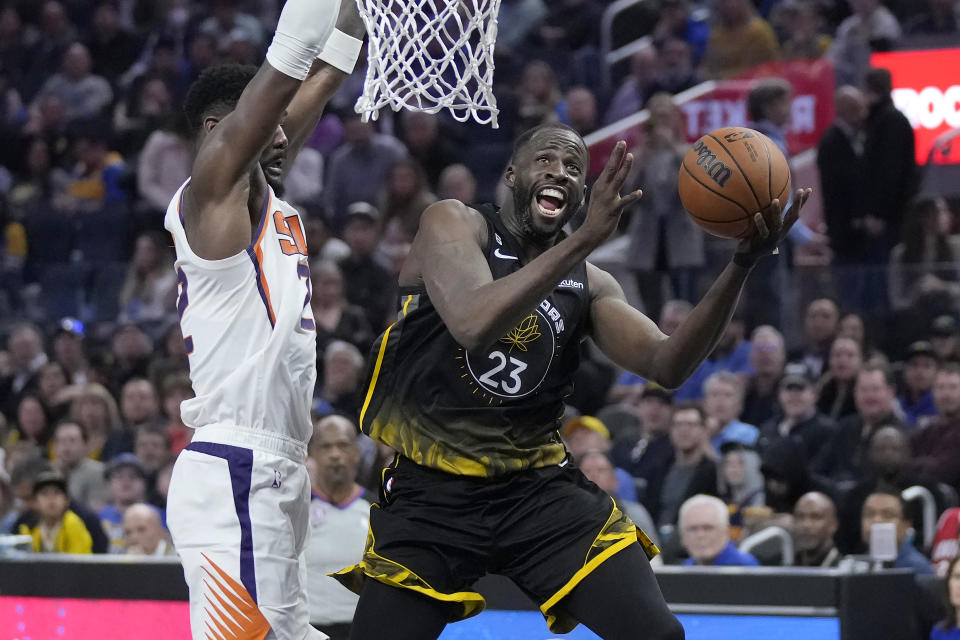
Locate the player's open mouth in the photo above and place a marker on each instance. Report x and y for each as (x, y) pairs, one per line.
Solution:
(550, 201)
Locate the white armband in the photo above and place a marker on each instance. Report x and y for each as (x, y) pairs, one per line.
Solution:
(303, 28)
(341, 51)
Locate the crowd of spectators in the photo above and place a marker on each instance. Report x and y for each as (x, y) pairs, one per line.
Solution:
(816, 431)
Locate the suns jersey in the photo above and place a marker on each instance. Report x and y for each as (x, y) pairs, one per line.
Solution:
(486, 413)
(248, 327)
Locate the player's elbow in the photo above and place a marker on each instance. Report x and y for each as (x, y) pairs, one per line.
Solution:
(471, 336)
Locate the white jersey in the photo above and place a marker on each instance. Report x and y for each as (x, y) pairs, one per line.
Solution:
(248, 327)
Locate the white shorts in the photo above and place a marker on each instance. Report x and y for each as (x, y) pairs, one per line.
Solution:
(238, 512)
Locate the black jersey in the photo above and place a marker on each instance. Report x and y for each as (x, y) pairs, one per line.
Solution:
(484, 413)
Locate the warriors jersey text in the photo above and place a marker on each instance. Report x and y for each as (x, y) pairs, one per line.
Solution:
(248, 327)
(484, 413)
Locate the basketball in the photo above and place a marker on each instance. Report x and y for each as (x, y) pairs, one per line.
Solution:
(728, 175)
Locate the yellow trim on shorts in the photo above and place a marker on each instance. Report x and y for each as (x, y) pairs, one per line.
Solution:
(582, 573)
(379, 363)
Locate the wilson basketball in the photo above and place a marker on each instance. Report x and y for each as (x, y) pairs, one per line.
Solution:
(730, 174)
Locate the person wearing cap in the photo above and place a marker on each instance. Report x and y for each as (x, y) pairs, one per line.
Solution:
(943, 337)
(936, 447)
(126, 485)
(583, 434)
(58, 530)
(68, 350)
(800, 421)
(367, 283)
(919, 371)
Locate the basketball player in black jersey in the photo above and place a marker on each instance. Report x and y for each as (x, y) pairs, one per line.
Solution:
(468, 386)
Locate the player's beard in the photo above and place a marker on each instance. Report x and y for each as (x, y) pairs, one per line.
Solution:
(276, 185)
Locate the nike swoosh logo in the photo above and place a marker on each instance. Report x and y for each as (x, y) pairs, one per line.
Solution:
(503, 255)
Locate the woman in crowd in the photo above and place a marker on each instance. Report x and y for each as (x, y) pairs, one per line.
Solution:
(336, 319)
(53, 389)
(96, 410)
(924, 269)
(406, 196)
(148, 292)
(33, 424)
(949, 627)
(836, 386)
(739, 483)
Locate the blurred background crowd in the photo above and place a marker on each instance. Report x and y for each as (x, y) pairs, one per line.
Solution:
(835, 389)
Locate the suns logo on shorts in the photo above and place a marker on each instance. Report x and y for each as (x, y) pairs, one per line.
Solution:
(516, 365)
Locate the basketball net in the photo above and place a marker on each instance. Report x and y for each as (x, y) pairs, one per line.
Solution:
(428, 55)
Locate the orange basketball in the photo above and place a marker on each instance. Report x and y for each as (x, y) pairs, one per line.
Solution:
(729, 175)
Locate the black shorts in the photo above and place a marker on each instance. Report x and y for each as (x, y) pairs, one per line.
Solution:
(437, 533)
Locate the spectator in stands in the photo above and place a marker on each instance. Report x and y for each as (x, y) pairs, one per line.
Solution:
(835, 396)
(923, 267)
(851, 326)
(131, 349)
(883, 507)
(889, 153)
(226, 19)
(949, 627)
(84, 476)
(163, 164)
(53, 391)
(32, 425)
(7, 499)
(148, 107)
(364, 153)
(799, 419)
(705, 532)
(96, 411)
(149, 289)
(113, 49)
(457, 182)
(598, 469)
(768, 355)
(14, 43)
(739, 40)
(632, 94)
(339, 511)
(58, 528)
(731, 354)
(174, 390)
(151, 445)
(678, 21)
(939, 18)
(664, 241)
(888, 468)
(740, 483)
(336, 319)
(38, 182)
(872, 27)
(406, 195)
(95, 178)
(820, 325)
(579, 110)
(723, 402)
(805, 39)
(815, 523)
(840, 165)
(845, 456)
(421, 134)
(171, 358)
(126, 486)
(936, 447)
(583, 434)
(538, 94)
(943, 337)
(675, 68)
(84, 94)
(688, 472)
(653, 450)
(69, 352)
(143, 533)
(919, 371)
(341, 391)
(45, 54)
(368, 284)
(25, 346)
(138, 406)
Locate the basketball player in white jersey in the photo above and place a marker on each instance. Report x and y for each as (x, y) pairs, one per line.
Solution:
(239, 495)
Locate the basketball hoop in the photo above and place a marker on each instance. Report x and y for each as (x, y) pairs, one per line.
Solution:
(428, 55)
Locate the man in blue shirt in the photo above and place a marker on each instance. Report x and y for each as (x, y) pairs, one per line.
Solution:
(723, 402)
(705, 533)
(920, 368)
(884, 507)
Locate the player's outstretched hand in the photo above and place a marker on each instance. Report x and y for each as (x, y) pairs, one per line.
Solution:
(606, 204)
(770, 230)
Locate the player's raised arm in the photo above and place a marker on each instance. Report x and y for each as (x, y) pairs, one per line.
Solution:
(634, 342)
(230, 144)
(335, 62)
(479, 310)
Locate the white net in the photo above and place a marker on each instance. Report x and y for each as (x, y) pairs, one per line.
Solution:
(428, 55)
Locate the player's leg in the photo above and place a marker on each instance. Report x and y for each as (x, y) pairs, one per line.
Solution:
(397, 614)
(621, 600)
